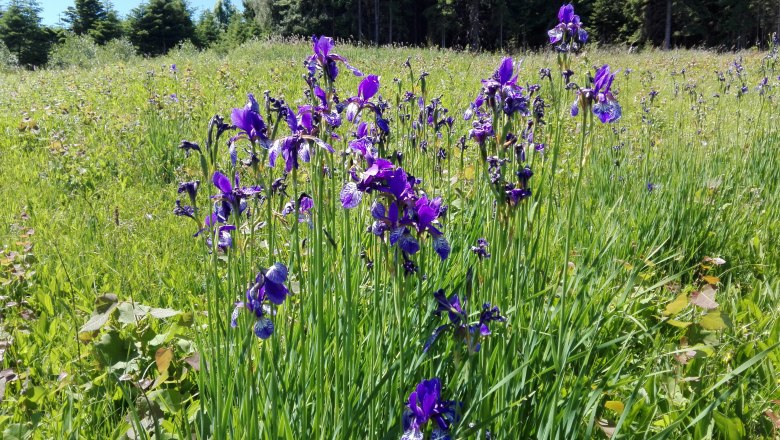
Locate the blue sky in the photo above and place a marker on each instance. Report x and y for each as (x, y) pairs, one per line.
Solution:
(53, 8)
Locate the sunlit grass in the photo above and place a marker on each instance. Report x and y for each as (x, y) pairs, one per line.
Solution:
(691, 178)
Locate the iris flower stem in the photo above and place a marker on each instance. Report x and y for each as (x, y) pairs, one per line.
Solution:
(556, 147)
(347, 278)
(318, 288)
(567, 248)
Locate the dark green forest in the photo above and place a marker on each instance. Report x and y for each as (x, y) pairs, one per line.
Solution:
(156, 26)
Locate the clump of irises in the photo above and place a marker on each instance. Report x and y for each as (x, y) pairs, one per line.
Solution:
(401, 212)
(502, 104)
(426, 405)
(268, 287)
(459, 326)
(599, 98)
(568, 35)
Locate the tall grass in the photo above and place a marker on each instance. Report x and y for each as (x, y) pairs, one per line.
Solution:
(623, 219)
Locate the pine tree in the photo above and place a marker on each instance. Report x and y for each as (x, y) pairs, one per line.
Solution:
(207, 31)
(224, 11)
(22, 33)
(160, 25)
(84, 15)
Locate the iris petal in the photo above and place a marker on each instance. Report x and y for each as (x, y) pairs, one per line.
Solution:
(264, 328)
(350, 196)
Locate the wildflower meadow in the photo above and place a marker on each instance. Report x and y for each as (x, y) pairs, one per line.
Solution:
(308, 239)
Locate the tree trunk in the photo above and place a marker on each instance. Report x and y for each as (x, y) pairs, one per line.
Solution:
(501, 28)
(390, 22)
(668, 31)
(360, 20)
(474, 25)
(376, 22)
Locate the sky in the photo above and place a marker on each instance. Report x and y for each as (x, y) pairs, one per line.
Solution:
(53, 8)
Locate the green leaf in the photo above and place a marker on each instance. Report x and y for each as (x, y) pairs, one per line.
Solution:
(17, 431)
(163, 313)
(677, 305)
(168, 399)
(104, 305)
(713, 321)
(130, 313)
(730, 428)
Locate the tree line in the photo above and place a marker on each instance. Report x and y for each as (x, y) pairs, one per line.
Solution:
(156, 26)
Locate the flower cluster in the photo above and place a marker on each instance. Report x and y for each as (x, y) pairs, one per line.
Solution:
(459, 325)
(268, 286)
(250, 125)
(599, 99)
(501, 93)
(231, 200)
(568, 35)
(367, 89)
(296, 147)
(326, 61)
(501, 96)
(405, 215)
(425, 405)
(400, 211)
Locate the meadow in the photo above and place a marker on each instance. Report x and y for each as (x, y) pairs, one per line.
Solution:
(634, 264)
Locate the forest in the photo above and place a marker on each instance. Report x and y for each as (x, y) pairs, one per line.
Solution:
(156, 26)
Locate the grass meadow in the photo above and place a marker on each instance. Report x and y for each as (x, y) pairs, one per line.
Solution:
(638, 280)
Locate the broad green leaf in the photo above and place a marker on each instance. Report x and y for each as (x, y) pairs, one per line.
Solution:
(713, 321)
(169, 400)
(163, 313)
(677, 305)
(730, 428)
(680, 324)
(163, 358)
(103, 309)
(130, 313)
(17, 431)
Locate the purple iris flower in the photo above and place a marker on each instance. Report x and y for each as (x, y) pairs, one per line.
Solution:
(233, 194)
(188, 146)
(297, 146)
(268, 286)
(599, 98)
(489, 314)
(458, 317)
(381, 176)
(424, 405)
(480, 250)
(250, 124)
(305, 205)
(501, 91)
(367, 89)
(426, 213)
(481, 130)
(229, 200)
(329, 115)
(364, 141)
(191, 188)
(184, 211)
(325, 60)
(224, 239)
(568, 33)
